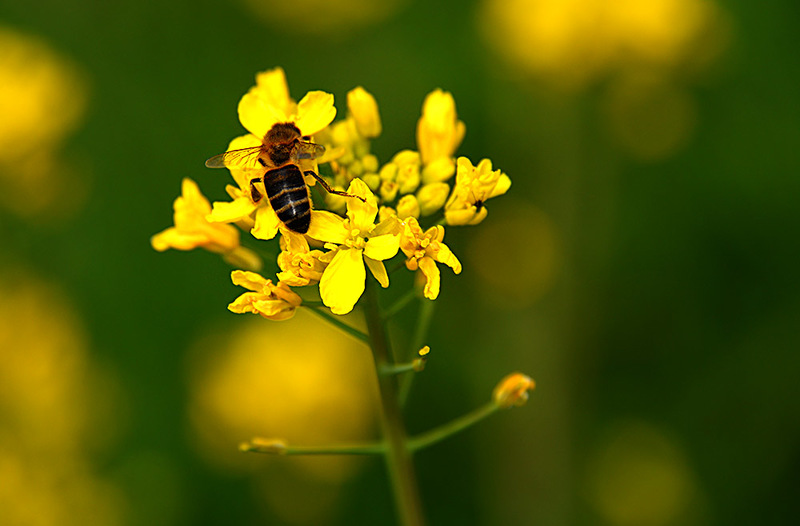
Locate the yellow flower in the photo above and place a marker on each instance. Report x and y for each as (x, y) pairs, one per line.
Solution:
(192, 230)
(264, 223)
(423, 250)
(258, 114)
(439, 132)
(274, 302)
(474, 185)
(265, 105)
(354, 241)
(512, 390)
(300, 266)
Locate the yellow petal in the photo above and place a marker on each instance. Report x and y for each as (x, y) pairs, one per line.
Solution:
(272, 87)
(382, 247)
(502, 186)
(248, 280)
(459, 217)
(173, 238)
(343, 281)
(431, 271)
(237, 209)
(314, 112)
(445, 256)
(362, 215)
(378, 269)
(327, 227)
(257, 116)
(267, 223)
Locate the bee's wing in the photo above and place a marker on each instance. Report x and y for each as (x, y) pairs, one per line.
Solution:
(244, 159)
(307, 150)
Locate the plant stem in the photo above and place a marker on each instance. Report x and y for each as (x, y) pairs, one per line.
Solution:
(451, 428)
(344, 449)
(398, 455)
(334, 320)
(423, 324)
(404, 300)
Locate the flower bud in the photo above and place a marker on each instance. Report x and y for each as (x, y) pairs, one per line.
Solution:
(364, 111)
(432, 197)
(512, 390)
(388, 191)
(408, 206)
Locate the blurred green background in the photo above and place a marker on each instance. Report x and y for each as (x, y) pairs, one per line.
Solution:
(641, 268)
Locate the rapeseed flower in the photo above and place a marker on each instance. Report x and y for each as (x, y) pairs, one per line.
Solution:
(474, 186)
(192, 230)
(274, 302)
(424, 250)
(513, 390)
(354, 242)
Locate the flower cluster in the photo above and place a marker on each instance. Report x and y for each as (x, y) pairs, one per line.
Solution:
(377, 213)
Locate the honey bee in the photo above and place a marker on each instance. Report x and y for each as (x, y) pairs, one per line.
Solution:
(281, 151)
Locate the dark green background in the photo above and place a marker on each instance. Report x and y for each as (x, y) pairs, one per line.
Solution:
(676, 302)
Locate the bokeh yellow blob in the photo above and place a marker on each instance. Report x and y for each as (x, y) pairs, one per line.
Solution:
(320, 16)
(43, 98)
(300, 380)
(647, 116)
(639, 476)
(54, 409)
(515, 252)
(572, 43)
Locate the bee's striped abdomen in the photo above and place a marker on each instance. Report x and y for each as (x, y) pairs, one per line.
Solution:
(288, 196)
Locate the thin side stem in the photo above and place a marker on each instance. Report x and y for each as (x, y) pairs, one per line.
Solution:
(424, 319)
(401, 302)
(449, 429)
(343, 449)
(398, 455)
(334, 320)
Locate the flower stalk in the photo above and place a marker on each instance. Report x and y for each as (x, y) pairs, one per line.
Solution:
(398, 454)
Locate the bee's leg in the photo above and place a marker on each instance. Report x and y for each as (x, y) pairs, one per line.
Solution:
(254, 193)
(328, 188)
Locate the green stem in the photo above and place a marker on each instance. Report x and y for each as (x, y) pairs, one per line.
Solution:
(344, 449)
(334, 320)
(398, 455)
(401, 302)
(424, 319)
(397, 368)
(451, 428)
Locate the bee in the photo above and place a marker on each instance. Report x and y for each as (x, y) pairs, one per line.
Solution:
(282, 150)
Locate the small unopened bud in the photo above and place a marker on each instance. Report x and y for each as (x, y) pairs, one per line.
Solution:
(512, 390)
(419, 363)
(364, 111)
(388, 191)
(408, 206)
(432, 197)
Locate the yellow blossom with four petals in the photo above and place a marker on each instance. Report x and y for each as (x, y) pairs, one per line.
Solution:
(474, 185)
(274, 302)
(266, 104)
(424, 250)
(354, 242)
(192, 230)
